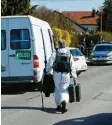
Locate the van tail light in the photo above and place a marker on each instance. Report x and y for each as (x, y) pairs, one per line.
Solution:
(35, 57)
(76, 59)
(36, 61)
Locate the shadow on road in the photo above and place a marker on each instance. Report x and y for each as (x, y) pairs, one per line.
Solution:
(48, 110)
(89, 64)
(16, 89)
(98, 119)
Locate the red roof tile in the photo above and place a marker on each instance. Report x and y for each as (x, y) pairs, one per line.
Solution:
(82, 17)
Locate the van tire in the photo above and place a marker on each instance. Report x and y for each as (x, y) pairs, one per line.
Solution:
(40, 84)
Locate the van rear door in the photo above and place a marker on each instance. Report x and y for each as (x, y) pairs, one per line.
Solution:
(20, 54)
(4, 49)
(47, 42)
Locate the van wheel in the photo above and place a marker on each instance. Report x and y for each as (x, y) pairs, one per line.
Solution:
(39, 86)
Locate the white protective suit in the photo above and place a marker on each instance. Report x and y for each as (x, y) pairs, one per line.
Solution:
(61, 80)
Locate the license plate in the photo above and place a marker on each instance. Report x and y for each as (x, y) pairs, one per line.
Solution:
(100, 58)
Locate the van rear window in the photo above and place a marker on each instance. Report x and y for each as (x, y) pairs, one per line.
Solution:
(3, 39)
(19, 39)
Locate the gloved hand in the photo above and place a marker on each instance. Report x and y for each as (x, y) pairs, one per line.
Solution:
(48, 73)
(75, 80)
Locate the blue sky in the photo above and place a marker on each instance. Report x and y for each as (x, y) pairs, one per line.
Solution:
(69, 5)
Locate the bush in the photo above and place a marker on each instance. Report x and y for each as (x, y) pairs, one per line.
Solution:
(62, 34)
(106, 36)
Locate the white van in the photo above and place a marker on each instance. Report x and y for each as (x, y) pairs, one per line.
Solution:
(26, 45)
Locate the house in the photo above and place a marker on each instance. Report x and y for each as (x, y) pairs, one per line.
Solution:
(87, 19)
(79, 28)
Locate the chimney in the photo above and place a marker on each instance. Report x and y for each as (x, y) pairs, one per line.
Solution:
(93, 13)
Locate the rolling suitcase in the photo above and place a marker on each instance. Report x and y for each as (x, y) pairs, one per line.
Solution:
(74, 91)
(71, 91)
(78, 92)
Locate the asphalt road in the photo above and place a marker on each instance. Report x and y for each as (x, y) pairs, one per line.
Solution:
(23, 107)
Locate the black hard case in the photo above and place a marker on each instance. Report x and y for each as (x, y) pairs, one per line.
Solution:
(74, 91)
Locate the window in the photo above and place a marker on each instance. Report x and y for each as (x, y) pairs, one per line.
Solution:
(3, 39)
(103, 48)
(19, 39)
(76, 52)
(51, 40)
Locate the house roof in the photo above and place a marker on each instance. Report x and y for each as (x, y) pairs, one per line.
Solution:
(84, 29)
(82, 17)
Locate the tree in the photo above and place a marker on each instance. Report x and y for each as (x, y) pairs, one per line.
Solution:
(62, 34)
(15, 7)
(109, 17)
(3, 7)
(106, 14)
(63, 26)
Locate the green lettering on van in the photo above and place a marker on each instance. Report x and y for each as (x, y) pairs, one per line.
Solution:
(23, 55)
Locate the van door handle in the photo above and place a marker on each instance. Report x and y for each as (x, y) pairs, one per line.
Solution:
(13, 55)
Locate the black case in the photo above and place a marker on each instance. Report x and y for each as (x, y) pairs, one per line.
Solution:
(71, 91)
(78, 92)
(74, 91)
(48, 85)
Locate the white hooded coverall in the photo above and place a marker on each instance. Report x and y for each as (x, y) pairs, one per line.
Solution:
(61, 80)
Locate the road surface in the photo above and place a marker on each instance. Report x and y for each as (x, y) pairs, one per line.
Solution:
(95, 108)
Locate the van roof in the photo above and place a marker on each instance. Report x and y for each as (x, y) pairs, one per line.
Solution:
(15, 16)
(33, 20)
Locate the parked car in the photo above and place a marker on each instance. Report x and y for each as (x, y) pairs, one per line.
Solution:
(101, 54)
(79, 59)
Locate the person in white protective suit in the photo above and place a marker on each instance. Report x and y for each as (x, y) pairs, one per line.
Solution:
(61, 79)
